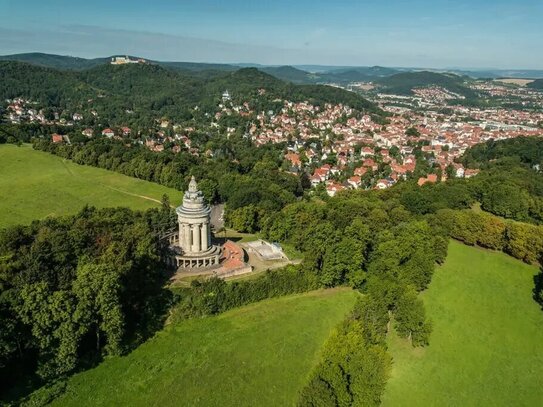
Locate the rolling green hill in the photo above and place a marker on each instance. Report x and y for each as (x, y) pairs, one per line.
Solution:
(46, 85)
(290, 74)
(67, 62)
(403, 83)
(297, 74)
(35, 185)
(537, 84)
(138, 94)
(55, 61)
(259, 354)
(342, 76)
(357, 74)
(486, 346)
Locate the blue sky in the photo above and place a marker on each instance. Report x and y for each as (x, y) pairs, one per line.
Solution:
(422, 33)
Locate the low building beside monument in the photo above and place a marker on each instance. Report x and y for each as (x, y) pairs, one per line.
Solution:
(265, 250)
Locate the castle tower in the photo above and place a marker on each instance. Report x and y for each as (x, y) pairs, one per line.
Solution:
(194, 231)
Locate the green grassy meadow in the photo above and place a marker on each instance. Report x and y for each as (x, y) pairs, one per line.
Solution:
(257, 355)
(486, 348)
(35, 185)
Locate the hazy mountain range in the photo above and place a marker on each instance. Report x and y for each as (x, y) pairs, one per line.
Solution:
(296, 74)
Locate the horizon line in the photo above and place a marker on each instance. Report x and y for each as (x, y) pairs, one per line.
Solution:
(459, 68)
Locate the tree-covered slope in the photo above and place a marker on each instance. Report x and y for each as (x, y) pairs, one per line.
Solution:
(528, 150)
(140, 93)
(342, 76)
(55, 61)
(403, 83)
(537, 84)
(290, 74)
(41, 84)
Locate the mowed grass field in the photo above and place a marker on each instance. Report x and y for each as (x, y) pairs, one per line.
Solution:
(34, 185)
(486, 348)
(257, 355)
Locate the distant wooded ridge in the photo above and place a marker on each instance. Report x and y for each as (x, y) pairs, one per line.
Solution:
(138, 94)
(296, 73)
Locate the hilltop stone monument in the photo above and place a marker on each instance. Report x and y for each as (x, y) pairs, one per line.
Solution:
(195, 249)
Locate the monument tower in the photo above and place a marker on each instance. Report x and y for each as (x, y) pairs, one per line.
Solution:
(195, 232)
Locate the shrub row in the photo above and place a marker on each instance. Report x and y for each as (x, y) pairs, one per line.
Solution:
(214, 296)
(355, 364)
(521, 240)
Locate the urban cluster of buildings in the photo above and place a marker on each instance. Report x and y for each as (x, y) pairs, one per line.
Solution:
(362, 148)
(21, 110)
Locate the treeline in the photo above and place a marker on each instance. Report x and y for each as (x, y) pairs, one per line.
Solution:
(355, 364)
(78, 288)
(506, 188)
(520, 240)
(214, 296)
(528, 150)
(239, 173)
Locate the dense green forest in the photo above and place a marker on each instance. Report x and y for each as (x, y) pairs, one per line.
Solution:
(529, 150)
(76, 289)
(139, 94)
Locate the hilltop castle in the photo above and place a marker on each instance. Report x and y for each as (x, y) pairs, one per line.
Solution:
(126, 60)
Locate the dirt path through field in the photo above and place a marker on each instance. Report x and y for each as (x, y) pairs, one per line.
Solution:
(110, 187)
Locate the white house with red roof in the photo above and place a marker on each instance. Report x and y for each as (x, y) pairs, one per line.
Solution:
(360, 171)
(333, 188)
(382, 184)
(355, 181)
(108, 133)
(366, 152)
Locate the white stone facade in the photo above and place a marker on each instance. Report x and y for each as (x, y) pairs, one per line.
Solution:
(194, 236)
